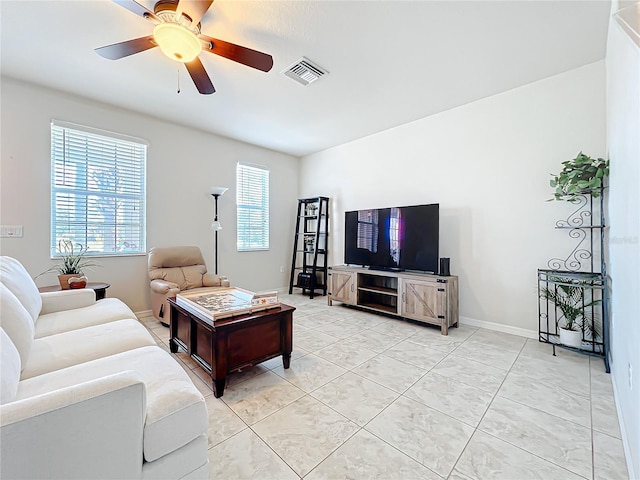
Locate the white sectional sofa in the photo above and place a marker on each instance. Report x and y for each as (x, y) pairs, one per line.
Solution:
(86, 393)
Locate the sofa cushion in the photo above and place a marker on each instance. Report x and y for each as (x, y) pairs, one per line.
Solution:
(83, 345)
(176, 410)
(60, 300)
(193, 276)
(102, 311)
(169, 257)
(181, 463)
(16, 278)
(16, 322)
(9, 368)
(185, 277)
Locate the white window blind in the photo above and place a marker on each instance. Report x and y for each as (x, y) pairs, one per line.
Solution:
(368, 230)
(252, 201)
(97, 191)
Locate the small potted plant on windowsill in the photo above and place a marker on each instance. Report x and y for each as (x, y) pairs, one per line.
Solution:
(568, 296)
(74, 261)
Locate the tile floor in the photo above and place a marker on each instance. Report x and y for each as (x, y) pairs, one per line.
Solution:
(369, 396)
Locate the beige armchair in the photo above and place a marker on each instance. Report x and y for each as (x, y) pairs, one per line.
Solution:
(173, 270)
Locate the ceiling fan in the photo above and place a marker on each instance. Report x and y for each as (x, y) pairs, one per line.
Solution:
(177, 33)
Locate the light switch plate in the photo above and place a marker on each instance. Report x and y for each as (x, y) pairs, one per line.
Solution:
(8, 231)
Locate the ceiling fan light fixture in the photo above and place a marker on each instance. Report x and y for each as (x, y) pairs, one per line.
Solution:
(178, 33)
(177, 42)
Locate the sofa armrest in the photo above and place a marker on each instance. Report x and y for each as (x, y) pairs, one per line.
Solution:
(162, 286)
(89, 430)
(67, 300)
(213, 280)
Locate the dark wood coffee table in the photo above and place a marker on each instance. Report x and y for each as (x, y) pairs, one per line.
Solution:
(231, 343)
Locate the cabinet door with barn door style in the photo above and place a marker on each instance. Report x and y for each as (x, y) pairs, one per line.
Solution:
(342, 287)
(432, 301)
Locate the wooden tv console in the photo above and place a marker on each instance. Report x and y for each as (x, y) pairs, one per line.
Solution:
(426, 298)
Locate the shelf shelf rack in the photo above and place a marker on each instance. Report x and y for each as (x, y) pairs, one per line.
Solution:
(583, 271)
(309, 266)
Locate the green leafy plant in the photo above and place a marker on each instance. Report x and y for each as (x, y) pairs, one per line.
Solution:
(581, 174)
(73, 256)
(568, 296)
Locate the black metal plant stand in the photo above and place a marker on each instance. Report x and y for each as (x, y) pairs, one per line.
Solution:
(584, 271)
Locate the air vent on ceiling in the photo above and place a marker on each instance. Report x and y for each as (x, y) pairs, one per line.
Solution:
(304, 71)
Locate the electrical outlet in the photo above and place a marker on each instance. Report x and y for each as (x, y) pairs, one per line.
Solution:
(630, 377)
(281, 269)
(9, 231)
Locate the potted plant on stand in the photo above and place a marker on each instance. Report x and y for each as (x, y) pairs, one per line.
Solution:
(74, 261)
(568, 296)
(308, 244)
(581, 174)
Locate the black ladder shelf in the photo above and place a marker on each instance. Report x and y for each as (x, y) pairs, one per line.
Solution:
(309, 263)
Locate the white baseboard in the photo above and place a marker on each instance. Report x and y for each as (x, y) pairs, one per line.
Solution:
(623, 432)
(144, 314)
(522, 332)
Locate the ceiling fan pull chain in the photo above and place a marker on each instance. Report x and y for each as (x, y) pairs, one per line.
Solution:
(178, 79)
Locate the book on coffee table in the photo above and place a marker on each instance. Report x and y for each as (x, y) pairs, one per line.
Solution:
(218, 303)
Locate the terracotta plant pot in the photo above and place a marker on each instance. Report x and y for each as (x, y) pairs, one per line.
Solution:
(64, 281)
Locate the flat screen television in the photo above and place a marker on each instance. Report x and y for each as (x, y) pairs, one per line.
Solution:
(398, 238)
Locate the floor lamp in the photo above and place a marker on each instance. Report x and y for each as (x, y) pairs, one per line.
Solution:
(216, 226)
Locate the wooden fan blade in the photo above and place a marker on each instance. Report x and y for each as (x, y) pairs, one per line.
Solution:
(244, 55)
(200, 77)
(124, 49)
(194, 9)
(136, 8)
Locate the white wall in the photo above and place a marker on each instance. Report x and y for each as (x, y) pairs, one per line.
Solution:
(182, 164)
(623, 122)
(487, 164)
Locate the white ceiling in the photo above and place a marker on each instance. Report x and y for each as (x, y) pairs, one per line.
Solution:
(390, 62)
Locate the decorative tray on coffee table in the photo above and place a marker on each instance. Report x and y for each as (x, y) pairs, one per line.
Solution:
(219, 303)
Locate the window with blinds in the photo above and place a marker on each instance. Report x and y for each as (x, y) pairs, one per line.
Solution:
(97, 190)
(368, 230)
(252, 202)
